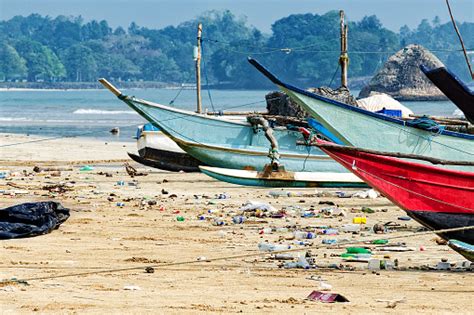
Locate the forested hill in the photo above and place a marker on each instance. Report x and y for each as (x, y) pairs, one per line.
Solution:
(302, 48)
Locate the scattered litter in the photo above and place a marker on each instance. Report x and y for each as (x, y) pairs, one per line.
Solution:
(404, 218)
(132, 288)
(326, 297)
(255, 205)
(359, 220)
(392, 303)
(323, 286)
(86, 168)
(367, 210)
(371, 194)
(266, 247)
(149, 270)
(132, 172)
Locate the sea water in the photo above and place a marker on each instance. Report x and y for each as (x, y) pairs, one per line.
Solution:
(92, 113)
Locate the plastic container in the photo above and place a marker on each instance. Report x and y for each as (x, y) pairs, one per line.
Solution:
(180, 218)
(266, 247)
(359, 220)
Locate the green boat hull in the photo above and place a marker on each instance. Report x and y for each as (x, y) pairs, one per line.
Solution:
(364, 129)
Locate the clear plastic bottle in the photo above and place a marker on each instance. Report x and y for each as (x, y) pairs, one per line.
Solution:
(301, 235)
(267, 247)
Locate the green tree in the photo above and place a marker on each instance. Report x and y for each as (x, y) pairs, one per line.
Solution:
(41, 61)
(12, 66)
(80, 63)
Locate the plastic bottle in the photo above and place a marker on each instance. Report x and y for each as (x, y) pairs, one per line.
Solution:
(218, 222)
(303, 263)
(266, 247)
(281, 230)
(120, 204)
(180, 218)
(331, 231)
(277, 194)
(357, 250)
(265, 231)
(351, 228)
(303, 235)
(238, 219)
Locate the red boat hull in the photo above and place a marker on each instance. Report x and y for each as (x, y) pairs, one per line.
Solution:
(436, 197)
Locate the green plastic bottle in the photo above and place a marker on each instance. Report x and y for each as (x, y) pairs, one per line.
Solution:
(380, 242)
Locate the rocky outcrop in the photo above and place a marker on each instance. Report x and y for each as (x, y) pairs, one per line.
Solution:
(402, 78)
(278, 103)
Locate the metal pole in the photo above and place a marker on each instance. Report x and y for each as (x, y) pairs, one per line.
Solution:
(460, 39)
(343, 59)
(198, 70)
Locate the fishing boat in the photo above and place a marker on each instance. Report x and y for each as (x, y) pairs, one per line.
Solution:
(227, 142)
(436, 197)
(358, 127)
(458, 92)
(467, 250)
(158, 151)
(270, 178)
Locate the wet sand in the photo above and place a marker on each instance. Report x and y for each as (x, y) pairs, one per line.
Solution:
(100, 235)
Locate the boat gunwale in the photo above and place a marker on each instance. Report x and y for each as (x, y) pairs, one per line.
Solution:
(186, 112)
(290, 87)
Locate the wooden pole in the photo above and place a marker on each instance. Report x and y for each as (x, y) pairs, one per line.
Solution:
(460, 39)
(198, 70)
(343, 59)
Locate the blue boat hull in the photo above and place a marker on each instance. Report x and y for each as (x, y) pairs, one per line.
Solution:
(227, 143)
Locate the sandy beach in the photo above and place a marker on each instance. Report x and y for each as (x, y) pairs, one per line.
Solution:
(115, 231)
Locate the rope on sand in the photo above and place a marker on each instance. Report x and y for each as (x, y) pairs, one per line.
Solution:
(255, 254)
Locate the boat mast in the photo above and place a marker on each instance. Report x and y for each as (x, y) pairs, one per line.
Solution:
(198, 69)
(344, 58)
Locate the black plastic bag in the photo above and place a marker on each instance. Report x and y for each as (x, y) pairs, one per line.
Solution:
(31, 219)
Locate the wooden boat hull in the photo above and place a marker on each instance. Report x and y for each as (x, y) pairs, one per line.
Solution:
(287, 179)
(165, 161)
(361, 128)
(226, 143)
(436, 197)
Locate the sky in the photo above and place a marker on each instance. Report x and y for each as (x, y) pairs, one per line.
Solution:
(260, 13)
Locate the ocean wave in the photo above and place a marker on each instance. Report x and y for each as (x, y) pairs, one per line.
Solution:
(88, 111)
(15, 119)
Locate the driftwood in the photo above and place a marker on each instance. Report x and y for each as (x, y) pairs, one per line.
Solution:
(38, 169)
(391, 154)
(133, 171)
